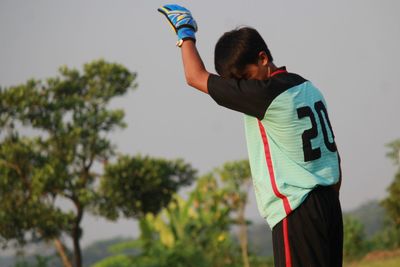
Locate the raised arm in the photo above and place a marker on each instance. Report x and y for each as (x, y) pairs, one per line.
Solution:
(185, 27)
(195, 73)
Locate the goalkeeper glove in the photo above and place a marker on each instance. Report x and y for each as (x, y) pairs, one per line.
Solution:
(181, 21)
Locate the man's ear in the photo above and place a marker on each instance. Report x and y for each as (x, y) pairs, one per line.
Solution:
(263, 58)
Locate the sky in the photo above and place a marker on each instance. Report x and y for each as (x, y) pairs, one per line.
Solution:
(347, 48)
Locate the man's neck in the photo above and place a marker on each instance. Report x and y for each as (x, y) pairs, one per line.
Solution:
(272, 69)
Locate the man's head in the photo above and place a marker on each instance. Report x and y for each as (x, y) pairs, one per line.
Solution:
(242, 54)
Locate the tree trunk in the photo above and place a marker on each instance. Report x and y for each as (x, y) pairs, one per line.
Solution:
(243, 235)
(76, 235)
(77, 250)
(61, 252)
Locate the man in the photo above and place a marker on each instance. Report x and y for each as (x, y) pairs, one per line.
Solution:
(293, 156)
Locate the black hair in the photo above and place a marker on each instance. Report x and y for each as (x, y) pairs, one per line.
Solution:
(236, 49)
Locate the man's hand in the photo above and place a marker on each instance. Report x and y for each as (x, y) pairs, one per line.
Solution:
(181, 21)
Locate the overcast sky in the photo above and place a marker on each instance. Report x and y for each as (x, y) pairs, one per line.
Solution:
(348, 48)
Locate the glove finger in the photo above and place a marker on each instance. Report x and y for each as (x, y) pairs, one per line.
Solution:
(164, 11)
(175, 8)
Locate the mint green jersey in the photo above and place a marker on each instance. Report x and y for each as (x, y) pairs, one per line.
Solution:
(289, 138)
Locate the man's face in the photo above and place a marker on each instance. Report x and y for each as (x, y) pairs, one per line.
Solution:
(255, 72)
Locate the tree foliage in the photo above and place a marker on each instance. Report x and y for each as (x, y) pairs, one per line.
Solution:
(191, 232)
(68, 121)
(195, 231)
(71, 117)
(237, 179)
(26, 205)
(135, 186)
(354, 243)
(392, 202)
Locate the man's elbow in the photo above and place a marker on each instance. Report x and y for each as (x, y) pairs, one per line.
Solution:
(191, 80)
(198, 81)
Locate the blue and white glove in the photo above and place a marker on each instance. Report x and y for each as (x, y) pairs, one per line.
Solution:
(181, 21)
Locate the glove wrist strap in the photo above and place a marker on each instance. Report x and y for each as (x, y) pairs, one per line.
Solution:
(180, 41)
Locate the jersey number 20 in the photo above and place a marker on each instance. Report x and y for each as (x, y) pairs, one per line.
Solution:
(311, 153)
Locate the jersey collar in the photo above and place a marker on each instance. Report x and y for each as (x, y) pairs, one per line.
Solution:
(278, 71)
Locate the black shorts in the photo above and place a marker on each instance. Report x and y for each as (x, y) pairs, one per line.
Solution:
(312, 235)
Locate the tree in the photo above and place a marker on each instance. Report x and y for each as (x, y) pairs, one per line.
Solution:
(387, 238)
(71, 121)
(135, 186)
(392, 202)
(354, 244)
(192, 232)
(195, 231)
(237, 180)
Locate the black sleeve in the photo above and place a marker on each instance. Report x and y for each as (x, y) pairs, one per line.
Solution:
(246, 96)
(251, 97)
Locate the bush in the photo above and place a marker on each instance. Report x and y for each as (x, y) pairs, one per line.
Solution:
(354, 243)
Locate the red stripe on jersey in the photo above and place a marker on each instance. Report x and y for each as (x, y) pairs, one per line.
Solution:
(288, 258)
(278, 71)
(271, 169)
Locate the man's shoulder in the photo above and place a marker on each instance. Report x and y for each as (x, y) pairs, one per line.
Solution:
(288, 79)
